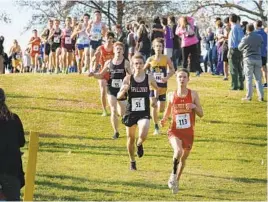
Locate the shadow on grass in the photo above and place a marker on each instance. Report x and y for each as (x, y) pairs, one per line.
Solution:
(259, 125)
(43, 98)
(214, 140)
(79, 146)
(53, 197)
(137, 184)
(236, 179)
(57, 136)
(57, 110)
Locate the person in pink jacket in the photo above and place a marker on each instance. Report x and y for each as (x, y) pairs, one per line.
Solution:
(186, 31)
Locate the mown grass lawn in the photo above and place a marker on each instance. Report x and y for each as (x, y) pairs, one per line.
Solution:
(78, 160)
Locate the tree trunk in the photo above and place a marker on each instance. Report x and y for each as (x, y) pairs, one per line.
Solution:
(120, 11)
(108, 11)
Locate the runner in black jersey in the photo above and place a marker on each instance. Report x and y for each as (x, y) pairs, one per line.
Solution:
(118, 68)
(55, 37)
(137, 87)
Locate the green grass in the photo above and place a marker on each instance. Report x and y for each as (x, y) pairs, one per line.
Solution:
(78, 160)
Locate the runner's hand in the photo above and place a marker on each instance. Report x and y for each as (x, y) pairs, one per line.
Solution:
(165, 79)
(190, 106)
(154, 102)
(162, 122)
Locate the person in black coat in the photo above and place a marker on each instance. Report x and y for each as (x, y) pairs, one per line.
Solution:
(11, 139)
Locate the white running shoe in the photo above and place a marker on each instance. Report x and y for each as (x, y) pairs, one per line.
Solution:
(156, 132)
(173, 183)
(104, 113)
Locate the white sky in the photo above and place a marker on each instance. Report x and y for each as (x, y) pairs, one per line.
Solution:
(19, 18)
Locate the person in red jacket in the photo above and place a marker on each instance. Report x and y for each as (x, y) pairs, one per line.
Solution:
(183, 105)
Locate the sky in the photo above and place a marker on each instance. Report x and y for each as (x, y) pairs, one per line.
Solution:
(14, 30)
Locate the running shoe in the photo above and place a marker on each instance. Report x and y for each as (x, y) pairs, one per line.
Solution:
(173, 183)
(133, 165)
(116, 136)
(156, 131)
(140, 150)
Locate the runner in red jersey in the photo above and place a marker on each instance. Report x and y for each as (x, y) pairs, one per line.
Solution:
(103, 53)
(183, 105)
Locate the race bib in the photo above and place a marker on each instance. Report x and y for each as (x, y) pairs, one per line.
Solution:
(138, 104)
(117, 83)
(183, 121)
(68, 40)
(96, 37)
(36, 48)
(57, 39)
(158, 76)
(17, 56)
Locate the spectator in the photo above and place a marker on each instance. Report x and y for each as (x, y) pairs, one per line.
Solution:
(2, 69)
(225, 48)
(251, 47)
(219, 44)
(234, 55)
(176, 43)
(261, 32)
(210, 57)
(143, 45)
(11, 139)
(189, 41)
(168, 38)
(131, 43)
(122, 37)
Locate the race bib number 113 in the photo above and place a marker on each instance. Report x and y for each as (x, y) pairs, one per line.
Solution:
(183, 121)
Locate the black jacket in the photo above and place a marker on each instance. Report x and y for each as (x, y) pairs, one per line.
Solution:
(11, 139)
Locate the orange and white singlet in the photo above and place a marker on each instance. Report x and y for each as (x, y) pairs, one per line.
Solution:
(105, 56)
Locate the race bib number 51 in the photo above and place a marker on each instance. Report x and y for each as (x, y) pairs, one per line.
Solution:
(117, 83)
(183, 121)
(138, 104)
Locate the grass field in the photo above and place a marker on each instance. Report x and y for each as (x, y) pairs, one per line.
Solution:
(78, 160)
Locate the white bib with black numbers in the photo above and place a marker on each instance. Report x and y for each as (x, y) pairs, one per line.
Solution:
(36, 48)
(117, 83)
(158, 77)
(138, 104)
(18, 56)
(56, 39)
(68, 40)
(183, 121)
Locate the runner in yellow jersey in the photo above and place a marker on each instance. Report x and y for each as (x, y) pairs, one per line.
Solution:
(161, 67)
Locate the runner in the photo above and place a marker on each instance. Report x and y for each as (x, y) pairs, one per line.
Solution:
(136, 86)
(66, 45)
(118, 68)
(96, 30)
(35, 43)
(82, 42)
(183, 104)
(162, 68)
(55, 37)
(46, 40)
(103, 54)
(16, 54)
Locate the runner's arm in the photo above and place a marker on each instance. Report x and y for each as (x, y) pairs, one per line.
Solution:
(198, 109)
(127, 68)
(167, 112)
(147, 64)
(104, 30)
(103, 71)
(124, 88)
(171, 70)
(153, 83)
(97, 55)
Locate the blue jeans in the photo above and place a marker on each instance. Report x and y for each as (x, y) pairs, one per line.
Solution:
(10, 187)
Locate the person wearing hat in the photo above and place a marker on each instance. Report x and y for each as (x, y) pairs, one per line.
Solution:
(11, 139)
